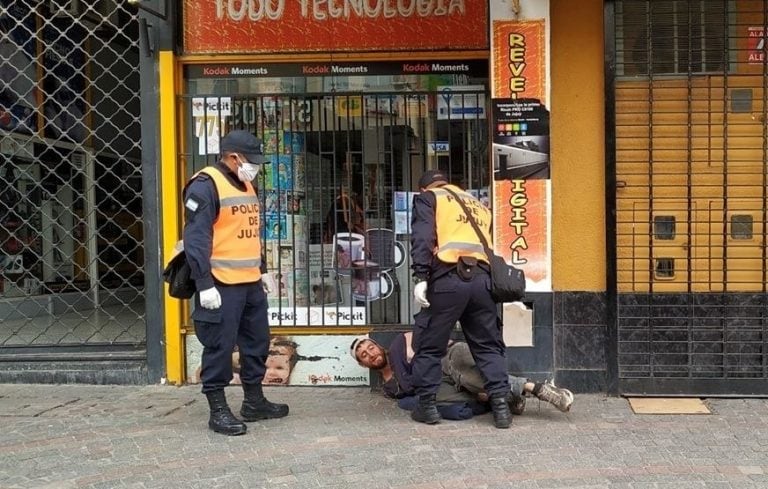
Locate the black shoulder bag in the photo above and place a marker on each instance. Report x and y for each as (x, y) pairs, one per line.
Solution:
(507, 282)
(178, 275)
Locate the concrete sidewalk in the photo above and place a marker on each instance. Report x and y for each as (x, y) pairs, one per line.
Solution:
(157, 437)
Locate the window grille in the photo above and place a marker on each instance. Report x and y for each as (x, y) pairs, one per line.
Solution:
(671, 37)
(71, 218)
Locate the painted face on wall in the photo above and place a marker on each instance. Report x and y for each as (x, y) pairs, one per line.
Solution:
(278, 369)
(282, 357)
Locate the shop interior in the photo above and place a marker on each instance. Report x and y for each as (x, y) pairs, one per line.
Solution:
(71, 246)
(345, 155)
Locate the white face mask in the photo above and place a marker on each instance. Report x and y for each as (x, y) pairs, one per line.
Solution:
(246, 172)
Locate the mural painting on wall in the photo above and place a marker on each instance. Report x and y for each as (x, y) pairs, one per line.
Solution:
(521, 156)
(297, 360)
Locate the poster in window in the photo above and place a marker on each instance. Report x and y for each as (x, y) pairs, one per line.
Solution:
(274, 202)
(293, 143)
(282, 175)
(18, 69)
(276, 227)
(64, 82)
(208, 114)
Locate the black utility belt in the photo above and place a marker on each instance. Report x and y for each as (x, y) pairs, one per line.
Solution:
(469, 266)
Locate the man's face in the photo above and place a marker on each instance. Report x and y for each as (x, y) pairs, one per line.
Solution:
(371, 355)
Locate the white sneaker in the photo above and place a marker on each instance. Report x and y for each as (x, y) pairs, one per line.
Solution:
(558, 397)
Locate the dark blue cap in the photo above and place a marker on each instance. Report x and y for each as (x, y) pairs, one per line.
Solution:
(246, 144)
(432, 176)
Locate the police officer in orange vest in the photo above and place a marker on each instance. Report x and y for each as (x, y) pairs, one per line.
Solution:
(223, 247)
(451, 273)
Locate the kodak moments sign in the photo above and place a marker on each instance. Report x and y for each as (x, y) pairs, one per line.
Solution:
(253, 26)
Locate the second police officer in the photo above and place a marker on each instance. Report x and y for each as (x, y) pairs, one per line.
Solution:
(451, 272)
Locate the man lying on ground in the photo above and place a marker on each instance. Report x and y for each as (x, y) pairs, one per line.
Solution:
(461, 393)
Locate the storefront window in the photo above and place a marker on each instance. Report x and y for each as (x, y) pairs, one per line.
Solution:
(347, 143)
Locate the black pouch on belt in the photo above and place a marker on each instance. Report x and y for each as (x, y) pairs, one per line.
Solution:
(465, 267)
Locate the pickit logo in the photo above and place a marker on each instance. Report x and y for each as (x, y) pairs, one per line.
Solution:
(282, 316)
(345, 316)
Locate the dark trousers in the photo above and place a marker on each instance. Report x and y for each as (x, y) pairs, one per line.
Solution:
(453, 299)
(241, 320)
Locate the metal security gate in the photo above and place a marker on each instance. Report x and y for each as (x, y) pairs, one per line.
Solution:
(336, 194)
(690, 92)
(71, 242)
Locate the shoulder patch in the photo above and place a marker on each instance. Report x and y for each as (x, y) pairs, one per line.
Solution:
(192, 204)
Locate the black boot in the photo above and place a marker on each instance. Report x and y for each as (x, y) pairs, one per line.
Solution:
(256, 406)
(222, 420)
(502, 418)
(426, 410)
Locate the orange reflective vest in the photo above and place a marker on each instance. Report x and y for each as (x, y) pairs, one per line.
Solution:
(455, 235)
(236, 250)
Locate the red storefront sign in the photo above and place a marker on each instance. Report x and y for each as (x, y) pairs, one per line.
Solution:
(249, 26)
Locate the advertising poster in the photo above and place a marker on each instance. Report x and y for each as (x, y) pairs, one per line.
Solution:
(317, 360)
(208, 115)
(461, 102)
(756, 45)
(18, 70)
(64, 63)
(521, 219)
(521, 154)
(293, 143)
(412, 106)
(346, 106)
(275, 202)
(520, 139)
(297, 282)
(324, 286)
(325, 361)
(272, 143)
(283, 175)
(276, 227)
(267, 174)
(519, 63)
(402, 205)
(299, 172)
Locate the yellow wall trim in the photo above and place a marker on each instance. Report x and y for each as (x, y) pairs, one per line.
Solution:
(170, 185)
(578, 147)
